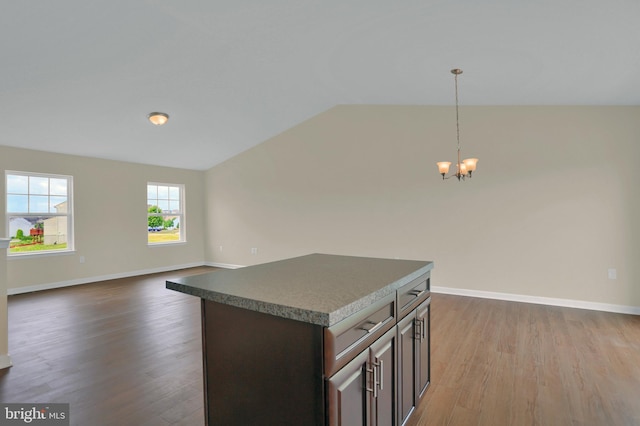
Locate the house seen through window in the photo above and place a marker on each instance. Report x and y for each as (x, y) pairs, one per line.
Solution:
(39, 212)
(165, 213)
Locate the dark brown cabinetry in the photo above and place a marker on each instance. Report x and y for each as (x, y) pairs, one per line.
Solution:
(315, 340)
(413, 359)
(363, 391)
(347, 397)
(381, 384)
(260, 369)
(406, 367)
(423, 347)
(383, 392)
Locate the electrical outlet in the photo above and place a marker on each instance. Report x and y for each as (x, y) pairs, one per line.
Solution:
(612, 273)
(81, 259)
(220, 248)
(254, 250)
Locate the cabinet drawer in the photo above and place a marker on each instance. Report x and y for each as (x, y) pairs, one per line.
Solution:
(350, 336)
(412, 294)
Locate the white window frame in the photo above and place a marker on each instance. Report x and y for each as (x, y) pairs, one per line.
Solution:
(180, 212)
(69, 214)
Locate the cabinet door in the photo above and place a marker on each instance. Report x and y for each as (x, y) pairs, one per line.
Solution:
(348, 399)
(382, 362)
(406, 367)
(423, 342)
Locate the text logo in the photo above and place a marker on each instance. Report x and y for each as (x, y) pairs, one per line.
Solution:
(34, 414)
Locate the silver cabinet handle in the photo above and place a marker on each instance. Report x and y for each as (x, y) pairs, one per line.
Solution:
(377, 383)
(421, 329)
(373, 382)
(377, 378)
(370, 329)
(417, 293)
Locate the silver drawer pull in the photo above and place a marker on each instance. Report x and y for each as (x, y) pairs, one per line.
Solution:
(370, 329)
(416, 293)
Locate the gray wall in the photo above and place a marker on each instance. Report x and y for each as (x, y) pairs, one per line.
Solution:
(553, 205)
(110, 220)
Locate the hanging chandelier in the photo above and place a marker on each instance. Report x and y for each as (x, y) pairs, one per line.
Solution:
(465, 167)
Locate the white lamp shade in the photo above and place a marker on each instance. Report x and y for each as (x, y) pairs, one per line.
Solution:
(470, 163)
(443, 167)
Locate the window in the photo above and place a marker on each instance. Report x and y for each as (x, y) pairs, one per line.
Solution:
(39, 212)
(165, 213)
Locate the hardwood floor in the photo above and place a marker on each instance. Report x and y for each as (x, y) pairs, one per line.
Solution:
(121, 352)
(507, 363)
(127, 352)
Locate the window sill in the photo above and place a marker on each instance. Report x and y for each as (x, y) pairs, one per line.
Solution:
(177, 243)
(43, 254)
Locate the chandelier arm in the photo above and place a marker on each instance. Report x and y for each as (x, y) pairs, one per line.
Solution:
(455, 175)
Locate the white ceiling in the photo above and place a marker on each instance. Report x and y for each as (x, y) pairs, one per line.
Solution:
(80, 76)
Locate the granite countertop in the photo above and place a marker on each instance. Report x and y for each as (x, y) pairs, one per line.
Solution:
(320, 289)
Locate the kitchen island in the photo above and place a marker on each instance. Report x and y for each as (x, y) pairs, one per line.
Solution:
(314, 340)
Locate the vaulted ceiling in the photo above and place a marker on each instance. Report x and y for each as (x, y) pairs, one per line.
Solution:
(80, 76)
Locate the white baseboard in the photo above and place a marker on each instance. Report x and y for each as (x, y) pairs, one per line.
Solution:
(87, 280)
(539, 300)
(5, 361)
(223, 265)
(568, 303)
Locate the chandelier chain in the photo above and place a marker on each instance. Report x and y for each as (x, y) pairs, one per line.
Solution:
(457, 114)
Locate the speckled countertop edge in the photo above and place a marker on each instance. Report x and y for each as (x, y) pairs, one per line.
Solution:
(290, 312)
(308, 315)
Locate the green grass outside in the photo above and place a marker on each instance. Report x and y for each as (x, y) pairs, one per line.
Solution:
(163, 236)
(37, 247)
(153, 237)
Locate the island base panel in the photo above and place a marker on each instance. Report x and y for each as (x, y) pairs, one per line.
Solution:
(260, 369)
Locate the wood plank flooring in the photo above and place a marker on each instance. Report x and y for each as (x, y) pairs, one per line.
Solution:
(507, 363)
(127, 352)
(121, 352)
